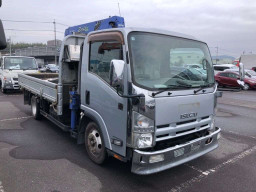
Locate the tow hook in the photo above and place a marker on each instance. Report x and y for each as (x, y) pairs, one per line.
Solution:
(208, 141)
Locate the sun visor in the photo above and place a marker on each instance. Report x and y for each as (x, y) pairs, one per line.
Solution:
(107, 36)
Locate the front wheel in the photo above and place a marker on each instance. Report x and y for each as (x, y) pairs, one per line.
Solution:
(94, 144)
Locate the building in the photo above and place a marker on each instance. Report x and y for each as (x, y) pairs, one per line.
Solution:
(52, 43)
(44, 55)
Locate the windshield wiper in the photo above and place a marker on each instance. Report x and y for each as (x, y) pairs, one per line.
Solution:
(202, 87)
(170, 87)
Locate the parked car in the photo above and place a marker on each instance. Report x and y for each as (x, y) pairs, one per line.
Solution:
(50, 68)
(248, 72)
(11, 66)
(254, 69)
(222, 67)
(230, 79)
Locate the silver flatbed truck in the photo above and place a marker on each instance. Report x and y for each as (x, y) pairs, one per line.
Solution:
(126, 93)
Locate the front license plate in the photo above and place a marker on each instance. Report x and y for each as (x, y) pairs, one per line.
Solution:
(195, 146)
(179, 152)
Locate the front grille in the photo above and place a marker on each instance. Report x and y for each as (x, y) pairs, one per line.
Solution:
(173, 130)
(187, 130)
(160, 145)
(15, 79)
(185, 122)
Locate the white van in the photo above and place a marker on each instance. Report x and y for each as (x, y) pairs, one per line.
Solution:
(11, 66)
(222, 67)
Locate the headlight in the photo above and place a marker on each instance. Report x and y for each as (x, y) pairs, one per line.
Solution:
(143, 140)
(143, 129)
(7, 80)
(142, 123)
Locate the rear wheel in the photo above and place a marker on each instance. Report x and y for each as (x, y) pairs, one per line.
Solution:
(94, 144)
(35, 108)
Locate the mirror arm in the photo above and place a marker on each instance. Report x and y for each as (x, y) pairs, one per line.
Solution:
(135, 98)
(130, 96)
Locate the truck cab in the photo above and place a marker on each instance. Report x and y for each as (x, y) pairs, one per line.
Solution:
(11, 66)
(171, 120)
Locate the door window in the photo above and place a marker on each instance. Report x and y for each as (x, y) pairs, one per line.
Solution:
(101, 54)
(223, 74)
(233, 76)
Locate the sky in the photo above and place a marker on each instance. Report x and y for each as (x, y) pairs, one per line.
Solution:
(229, 25)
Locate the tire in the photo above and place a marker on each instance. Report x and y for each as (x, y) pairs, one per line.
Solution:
(246, 86)
(35, 108)
(94, 144)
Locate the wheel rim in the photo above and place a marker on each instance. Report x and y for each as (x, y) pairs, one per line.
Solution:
(94, 143)
(33, 106)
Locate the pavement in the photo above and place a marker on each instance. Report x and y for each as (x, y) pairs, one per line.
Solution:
(37, 156)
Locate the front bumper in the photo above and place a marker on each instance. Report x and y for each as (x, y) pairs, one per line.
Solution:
(11, 86)
(192, 150)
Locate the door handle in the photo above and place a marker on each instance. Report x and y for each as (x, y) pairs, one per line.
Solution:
(87, 97)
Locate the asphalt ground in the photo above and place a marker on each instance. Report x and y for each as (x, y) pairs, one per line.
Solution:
(37, 156)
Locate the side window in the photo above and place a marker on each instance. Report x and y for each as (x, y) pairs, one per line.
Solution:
(223, 74)
(229, 75)
(101, 54)
(233, 76)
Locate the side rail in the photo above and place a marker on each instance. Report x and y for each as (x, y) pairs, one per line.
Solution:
(39, 85)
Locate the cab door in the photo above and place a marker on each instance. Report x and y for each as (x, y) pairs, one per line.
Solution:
(223, 78)
(97, 94)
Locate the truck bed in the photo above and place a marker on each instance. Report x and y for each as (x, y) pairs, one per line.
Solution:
(42, 84)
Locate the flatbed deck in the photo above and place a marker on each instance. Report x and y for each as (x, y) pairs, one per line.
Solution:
(42, 84)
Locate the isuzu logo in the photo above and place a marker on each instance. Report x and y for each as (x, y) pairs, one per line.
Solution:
(188, 115)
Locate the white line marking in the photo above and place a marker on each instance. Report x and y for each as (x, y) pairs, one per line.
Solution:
(1, 187)
(208, 172)
(195, 168)
(16, 118)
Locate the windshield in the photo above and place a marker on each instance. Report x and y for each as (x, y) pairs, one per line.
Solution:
(160, 61)
(20, 63)
(251, 72)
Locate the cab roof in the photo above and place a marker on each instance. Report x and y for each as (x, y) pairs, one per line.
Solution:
(127, 30)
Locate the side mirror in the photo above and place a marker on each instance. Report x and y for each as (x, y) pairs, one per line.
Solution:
(2, 36)
(241, 71)
(117, 74)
